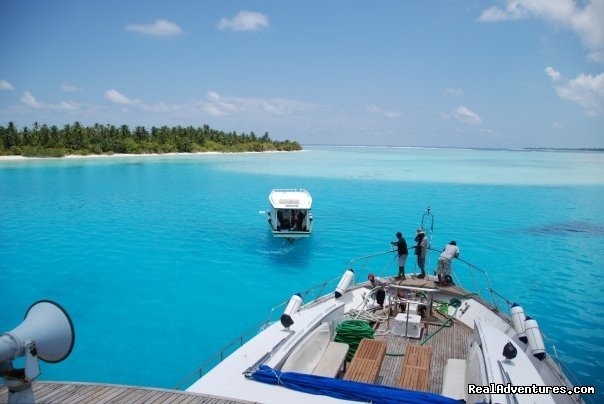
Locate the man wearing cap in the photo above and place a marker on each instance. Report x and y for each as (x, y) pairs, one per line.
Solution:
(401, 246)
(380, 294)
(420, 250)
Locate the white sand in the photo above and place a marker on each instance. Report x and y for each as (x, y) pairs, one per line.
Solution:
(119, 155)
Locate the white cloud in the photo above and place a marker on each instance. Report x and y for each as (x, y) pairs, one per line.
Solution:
(552, 73)
(245, 21)
(376, 110)
(5, 85)
(464, 115)
(163, 28)
(162, 107)
(596, 56)
(585, 90)
(495, 14)
(556, 125)
(587, 21)
(218, 105)
(275, 107)
(118, 98)
(66, 106)
(70, 88)
(455, 91)
(30, 100)
(212, 109)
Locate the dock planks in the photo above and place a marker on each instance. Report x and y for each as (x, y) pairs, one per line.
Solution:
(77, 393)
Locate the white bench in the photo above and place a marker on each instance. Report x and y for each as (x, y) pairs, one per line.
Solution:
(332, 361)
(316, 354)
(454, 379)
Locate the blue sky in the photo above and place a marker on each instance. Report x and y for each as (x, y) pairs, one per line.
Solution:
(504, 73)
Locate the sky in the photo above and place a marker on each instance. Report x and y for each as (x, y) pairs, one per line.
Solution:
(449, 73)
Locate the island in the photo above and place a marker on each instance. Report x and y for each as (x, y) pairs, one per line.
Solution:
(42, 140)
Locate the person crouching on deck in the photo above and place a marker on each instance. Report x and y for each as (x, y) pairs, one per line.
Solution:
(380, 294)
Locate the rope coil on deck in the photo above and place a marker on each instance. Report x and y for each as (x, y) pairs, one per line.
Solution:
(351, 332)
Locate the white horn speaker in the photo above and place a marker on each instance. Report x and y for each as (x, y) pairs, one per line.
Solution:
(46, 324)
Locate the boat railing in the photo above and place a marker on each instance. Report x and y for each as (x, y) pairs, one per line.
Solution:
(493, 297)
(480, 278)
(481, 282)
(219, 356)
(309, 296)
(290, 190)
(361, 267)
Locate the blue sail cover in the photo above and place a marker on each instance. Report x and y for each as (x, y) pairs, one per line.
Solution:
(347, 390)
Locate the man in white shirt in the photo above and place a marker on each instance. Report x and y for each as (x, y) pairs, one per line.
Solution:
(443, 267)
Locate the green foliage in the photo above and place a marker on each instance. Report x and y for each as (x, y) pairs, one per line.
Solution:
(39, 151)
(44, 141)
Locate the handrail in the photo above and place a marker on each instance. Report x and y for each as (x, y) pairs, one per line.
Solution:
(563, 370)
(255, 329)
(318, 295)
(221, 354)
(490, 289)
(302, 190)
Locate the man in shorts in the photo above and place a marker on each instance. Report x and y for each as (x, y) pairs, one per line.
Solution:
(402, 252)
(443, 267)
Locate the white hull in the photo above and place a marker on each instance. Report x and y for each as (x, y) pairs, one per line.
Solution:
(412, 340)
(290, 214)
(483, 364)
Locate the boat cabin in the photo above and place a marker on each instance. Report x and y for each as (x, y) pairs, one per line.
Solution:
(290, 216)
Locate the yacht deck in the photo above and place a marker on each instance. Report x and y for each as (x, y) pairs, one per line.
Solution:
(450, 342)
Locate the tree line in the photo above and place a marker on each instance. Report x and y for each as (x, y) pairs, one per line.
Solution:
(52, 141)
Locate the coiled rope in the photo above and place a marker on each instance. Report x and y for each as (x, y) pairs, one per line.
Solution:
(351, 332)
(368, 316)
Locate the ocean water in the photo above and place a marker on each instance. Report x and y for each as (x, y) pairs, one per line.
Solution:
(162, 260)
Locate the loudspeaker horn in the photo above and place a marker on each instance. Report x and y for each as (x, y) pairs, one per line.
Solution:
(50, 327)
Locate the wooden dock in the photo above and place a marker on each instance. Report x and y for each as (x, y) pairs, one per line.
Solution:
(76, 393)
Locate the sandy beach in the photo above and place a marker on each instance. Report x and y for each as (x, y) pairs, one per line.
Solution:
(121, 155)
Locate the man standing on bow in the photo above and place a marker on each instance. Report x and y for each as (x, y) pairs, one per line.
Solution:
(402, 251)
(420, 250)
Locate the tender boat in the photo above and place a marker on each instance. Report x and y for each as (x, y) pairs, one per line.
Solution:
(427, 343)
(290, 216)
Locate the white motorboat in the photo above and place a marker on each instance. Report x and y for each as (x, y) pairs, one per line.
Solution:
(290, 214)
(427, 343)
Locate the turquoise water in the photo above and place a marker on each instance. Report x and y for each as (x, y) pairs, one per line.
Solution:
(161, 261)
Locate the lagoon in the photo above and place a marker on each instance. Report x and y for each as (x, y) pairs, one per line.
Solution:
(162, 260)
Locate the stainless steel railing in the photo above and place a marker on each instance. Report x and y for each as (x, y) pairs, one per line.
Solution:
(361, 267)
